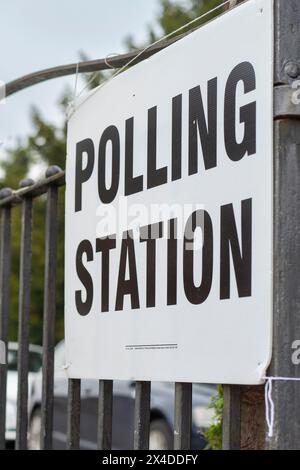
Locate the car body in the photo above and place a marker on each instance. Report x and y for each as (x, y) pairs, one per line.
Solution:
(162, 411)
(35, 364)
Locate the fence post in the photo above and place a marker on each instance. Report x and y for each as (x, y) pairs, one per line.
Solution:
(24, 317)
(142, 415)
(183, 416)
(73, 414)
(49, 312)
(5, 264)
(105, 409)
(286, 307)
(231, 417)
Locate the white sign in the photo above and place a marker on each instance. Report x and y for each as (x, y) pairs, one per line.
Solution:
(169, 212)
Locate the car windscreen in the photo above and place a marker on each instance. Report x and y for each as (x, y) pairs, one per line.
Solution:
(35, 361)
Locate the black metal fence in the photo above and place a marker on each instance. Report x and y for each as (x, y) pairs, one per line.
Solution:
(25, 196)
(8, 200)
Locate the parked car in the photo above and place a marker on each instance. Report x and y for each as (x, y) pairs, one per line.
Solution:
(35, 364)
(162, 412)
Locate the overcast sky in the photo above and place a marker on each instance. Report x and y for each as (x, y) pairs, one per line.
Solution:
(36, 34)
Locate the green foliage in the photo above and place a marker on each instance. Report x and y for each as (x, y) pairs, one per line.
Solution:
(174, 14)
(214, 433)
(94, 79)
(44, 147)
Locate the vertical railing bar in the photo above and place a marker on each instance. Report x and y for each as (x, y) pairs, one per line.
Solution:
(183, 416)
(231, 435)
(23, 334)
(142, 415)
(24, 314)
(49, 316)
(5, 265)
(73, 414)
(105, 409)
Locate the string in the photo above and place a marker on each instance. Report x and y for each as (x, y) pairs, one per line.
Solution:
(106, 60)
(270, 407)
(76, 80)
(168, 36)
(71, 104)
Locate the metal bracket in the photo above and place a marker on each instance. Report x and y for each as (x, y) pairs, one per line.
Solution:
(287, 101)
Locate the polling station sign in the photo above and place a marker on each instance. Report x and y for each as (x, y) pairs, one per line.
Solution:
(168, 268)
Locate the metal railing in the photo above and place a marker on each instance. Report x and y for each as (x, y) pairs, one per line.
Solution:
(8, 200)
(25, 196)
